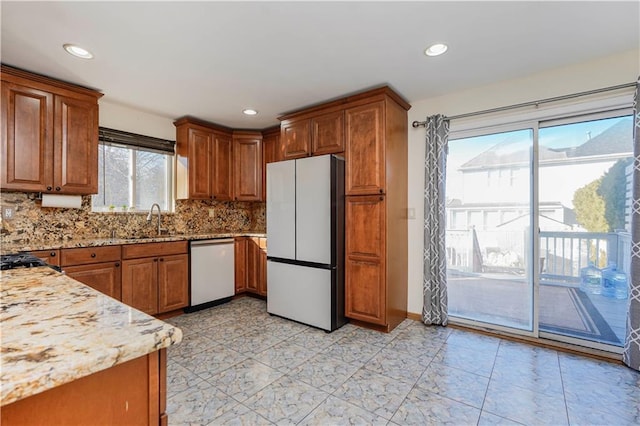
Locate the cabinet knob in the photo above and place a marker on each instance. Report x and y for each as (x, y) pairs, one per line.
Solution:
(57, 188)
(155, 260)
(381, 191)
(381, 198)
(161, 260)
(93, 255)
(49, 188)
(52, 254)
(117, 265)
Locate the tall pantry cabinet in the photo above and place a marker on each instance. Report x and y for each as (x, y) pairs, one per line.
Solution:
(370, 130)
(376, 211)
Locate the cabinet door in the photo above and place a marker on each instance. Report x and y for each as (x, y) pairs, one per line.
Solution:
(327, 133)
(365, 153)
(27, 140)
(247, 171)
(222, 173)
(270, 151)
(240, 258)
(253, 271)
(104, 277)
(200, 163)
(295, 137)
(173, 282)
(262, 277)
(140, 284)
(365, 282)
(75, 167)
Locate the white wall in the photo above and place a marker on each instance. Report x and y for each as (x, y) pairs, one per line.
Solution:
(607, 71)
(120, 117)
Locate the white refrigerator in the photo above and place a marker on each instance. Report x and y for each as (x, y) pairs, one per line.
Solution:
(305, 233)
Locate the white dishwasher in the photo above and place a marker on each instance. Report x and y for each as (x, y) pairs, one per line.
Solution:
(212, 273)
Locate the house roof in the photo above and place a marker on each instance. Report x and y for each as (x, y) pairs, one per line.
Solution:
(613, 140)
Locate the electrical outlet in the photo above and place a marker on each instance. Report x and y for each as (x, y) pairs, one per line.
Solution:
(7, 213)
(212, 213)
(411, 213)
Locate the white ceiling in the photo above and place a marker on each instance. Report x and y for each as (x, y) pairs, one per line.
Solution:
(212, 59)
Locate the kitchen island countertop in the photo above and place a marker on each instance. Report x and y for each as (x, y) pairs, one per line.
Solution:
(56, 330)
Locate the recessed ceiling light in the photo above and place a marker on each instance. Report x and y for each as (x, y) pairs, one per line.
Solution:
(436, 49)
(78, 51)
(249, 111)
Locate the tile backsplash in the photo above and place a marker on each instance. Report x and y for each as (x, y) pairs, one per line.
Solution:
(31, 223)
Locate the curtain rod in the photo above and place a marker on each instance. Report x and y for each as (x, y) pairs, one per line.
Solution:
(416, 124)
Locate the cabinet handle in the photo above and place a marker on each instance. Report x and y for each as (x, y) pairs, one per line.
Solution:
(52, 254)
(93, 255)
(57, 188)
(117, 264)
(49, 188)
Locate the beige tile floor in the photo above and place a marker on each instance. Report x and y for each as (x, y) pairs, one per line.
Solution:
(238, 365)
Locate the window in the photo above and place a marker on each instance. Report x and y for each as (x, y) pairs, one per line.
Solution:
(134, 171)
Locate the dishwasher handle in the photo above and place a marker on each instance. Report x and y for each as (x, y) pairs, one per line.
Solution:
(212, 242)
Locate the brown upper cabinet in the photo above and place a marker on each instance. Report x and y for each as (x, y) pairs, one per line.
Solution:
(322, 133)
(295, 137)
(204, 167)
(327, 133)
(365, 156)
(49, 134)
(247, 166)
(270, 153)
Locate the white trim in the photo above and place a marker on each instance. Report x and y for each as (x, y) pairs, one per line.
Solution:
(493, 123)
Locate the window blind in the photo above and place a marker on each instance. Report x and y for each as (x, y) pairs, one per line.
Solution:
(119, 137)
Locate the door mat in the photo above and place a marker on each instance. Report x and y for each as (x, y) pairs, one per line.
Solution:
(570, 312)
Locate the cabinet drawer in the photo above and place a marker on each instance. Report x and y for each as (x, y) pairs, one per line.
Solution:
(134, 251)
(52, 257)
(83, 256)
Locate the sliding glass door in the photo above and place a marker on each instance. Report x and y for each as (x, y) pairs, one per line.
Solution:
(585, 184)
(569, 181)
(489, 229)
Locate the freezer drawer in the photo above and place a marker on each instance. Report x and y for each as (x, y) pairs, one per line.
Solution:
(300, 293)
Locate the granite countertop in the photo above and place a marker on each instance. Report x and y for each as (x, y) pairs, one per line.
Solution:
(52, 245)
(56, 330)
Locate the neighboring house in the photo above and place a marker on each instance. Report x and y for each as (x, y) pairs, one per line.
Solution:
(628, 195)
(484, 236)
(504, 173)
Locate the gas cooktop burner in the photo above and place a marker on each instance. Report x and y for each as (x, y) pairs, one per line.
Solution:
(20, 260)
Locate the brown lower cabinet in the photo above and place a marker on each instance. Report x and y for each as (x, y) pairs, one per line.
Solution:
(250, 265)
(131, 393)
(104, 277)
(97, 267)
(155, 276)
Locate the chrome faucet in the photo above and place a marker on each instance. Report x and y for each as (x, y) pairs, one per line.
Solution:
(150, 215)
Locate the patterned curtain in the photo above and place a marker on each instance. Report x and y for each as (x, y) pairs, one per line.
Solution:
(631, 355)
(434, 310)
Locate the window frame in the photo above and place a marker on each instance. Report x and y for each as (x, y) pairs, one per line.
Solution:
(169, 187)
(561, 113)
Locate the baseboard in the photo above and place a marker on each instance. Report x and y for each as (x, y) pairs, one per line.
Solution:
(414, 316)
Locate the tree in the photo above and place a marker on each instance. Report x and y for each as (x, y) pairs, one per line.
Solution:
(590, 207)
(613, 190)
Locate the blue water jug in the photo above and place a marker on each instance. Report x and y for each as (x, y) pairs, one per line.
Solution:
(620, 285)
(591, 279)
(608, 280)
